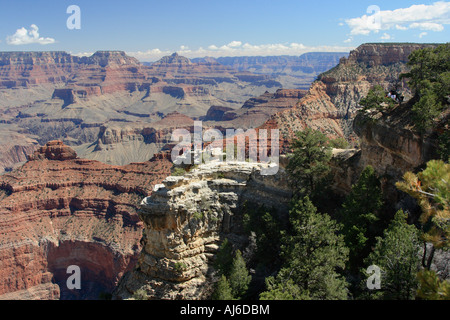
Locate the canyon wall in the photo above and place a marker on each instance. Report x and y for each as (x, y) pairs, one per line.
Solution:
(58, 210)
(185, 220)
(366, 66)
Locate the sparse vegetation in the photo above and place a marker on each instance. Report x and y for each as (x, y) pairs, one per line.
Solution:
(339, 143)
(177, 171)
(180, 267)
(377, 100)
(140, 294)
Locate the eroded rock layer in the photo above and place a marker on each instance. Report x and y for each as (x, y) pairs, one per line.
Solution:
(185, 220)
(57, 210)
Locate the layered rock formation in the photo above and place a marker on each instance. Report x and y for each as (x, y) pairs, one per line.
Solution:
(257, 110)
(187, 217)
(55, 96)
(23, 69)
(14, 148)
(58, 210)
(120, 143)
(315, 110)
(290, 71)
(54, 150)
(390, 144)
(333, 100)
(366, 66)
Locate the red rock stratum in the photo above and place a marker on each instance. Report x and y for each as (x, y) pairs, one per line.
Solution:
(57, 210)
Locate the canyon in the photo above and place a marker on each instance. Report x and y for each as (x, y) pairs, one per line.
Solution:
(292, 71)
(58, 210)
(48, 96)
(88, 176)
(187, 217)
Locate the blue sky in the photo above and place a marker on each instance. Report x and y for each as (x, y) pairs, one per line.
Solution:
(149, 29)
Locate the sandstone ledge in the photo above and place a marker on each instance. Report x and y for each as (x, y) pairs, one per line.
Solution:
(185, 220)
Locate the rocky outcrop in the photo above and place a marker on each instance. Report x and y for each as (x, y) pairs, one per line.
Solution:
(332, 101)
(383, 54)
(255, 111)
(120, 143)
(366, 66)
(57, 210)
(390, 144)
(54, 150)
(393, 150)
(315, 110)
(24, 69)
(14, 149)
(185, 220)
(110, 58)
(217, 113)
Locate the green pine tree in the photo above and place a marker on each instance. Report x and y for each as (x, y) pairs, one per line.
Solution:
(431, 287)
(224, 258)
(429, 78)
(222, 290)
(239, 276)
(397, 255)
(376, 99)
(313, 253)
(431, 190)
(309, 163)
(359, 215)
(283, 290)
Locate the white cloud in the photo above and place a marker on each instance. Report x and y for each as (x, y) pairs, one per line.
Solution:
(427, 26)
(386, 36)
(24, 36)
(234, 44)
(348, 40)
(431, 17)
(398, 27)
(150, 55)
(423, 34)
(237, 48)
(82, 54)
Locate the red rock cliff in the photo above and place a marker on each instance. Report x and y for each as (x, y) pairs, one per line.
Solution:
(57, 211)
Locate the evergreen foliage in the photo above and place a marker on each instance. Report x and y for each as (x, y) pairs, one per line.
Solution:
(224, 258)
(396, 254)
(267, 227)
(239, 276)
(430, 80)
(314, 254)
(377, 99)
(359, 215)
(431, 287)
(431, 189)
(222, 290)
(309, 162)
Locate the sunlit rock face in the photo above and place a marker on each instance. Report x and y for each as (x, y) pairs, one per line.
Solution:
(185, 220)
